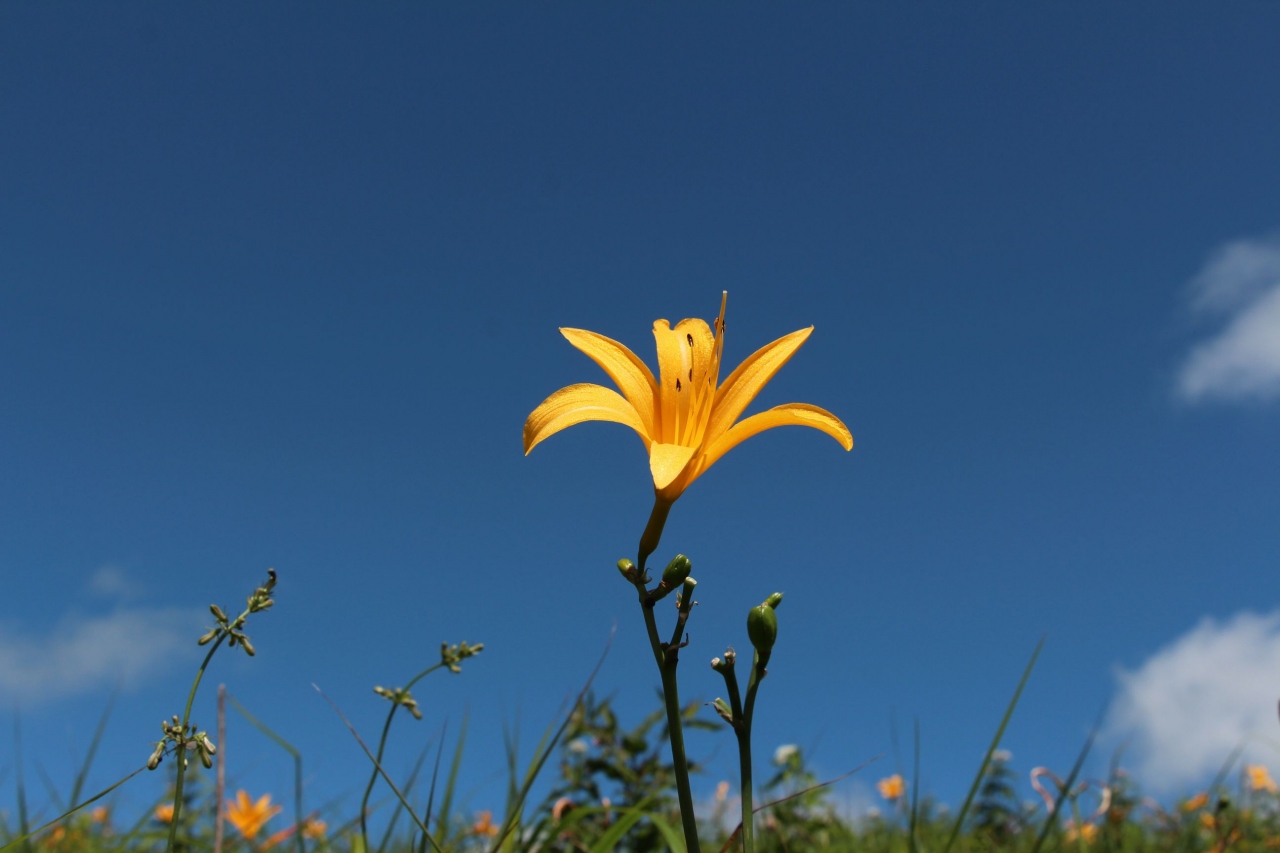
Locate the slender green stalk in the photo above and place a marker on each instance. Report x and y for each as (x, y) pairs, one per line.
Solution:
(181, 757)
(744, 751)
(297, 766)
(181, 735)
(382, 745)
(667, 656)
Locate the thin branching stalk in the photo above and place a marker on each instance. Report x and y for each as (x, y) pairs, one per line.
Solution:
(181, 756)
(667, 656)
(220, 776)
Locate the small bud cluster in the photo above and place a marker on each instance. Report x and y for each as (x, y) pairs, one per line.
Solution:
(452, 656)
(184, 739)
(674, 576)
(400, 696)
(234, 629)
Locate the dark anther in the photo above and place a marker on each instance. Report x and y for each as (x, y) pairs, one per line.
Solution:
(690, 374)
(677, 384)
(689, 338)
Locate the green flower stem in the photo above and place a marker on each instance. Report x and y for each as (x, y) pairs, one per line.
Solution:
(181, 756)
(382, 745)
(743, 732)
(667, 657)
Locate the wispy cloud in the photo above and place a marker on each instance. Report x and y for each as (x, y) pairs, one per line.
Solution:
(85, 653)
(1240, 288)
(110, 581)
(1190, 704)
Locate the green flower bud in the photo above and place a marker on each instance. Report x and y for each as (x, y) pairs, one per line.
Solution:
(762, 628)
(676, 571)
(248, 646)
(774, 600)
(723, 709)
(217, 613)
(205, 759)
(208, 638)
(627, 569)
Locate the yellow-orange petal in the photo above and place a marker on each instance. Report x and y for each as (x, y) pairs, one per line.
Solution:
(742, 386)
(667, 461)
(576, 404)
(791, 414)
(629, 373)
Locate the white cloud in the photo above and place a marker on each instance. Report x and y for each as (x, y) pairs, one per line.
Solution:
(1188, 706)
(110, 581)
(1241, 284)
(82, 654)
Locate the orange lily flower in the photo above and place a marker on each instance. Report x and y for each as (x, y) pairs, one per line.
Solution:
(686, 417)
(892, 787)
(250, 817)
(1259, 778)
(484, 825)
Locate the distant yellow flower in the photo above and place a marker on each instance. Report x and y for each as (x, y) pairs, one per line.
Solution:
(892, 787)
(1259, 778)
(484, 825)
(101, 814)
(685, 419)
(1196, 803)
(1208, 821)
(1086, 833)
(314, 829)
(250, 817)
(164, 813)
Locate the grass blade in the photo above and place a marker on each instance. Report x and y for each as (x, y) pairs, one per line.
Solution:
(545, 747)
(451, 783)
(386, 777)
(21, 839)
(82, 776)
(671, 835)
(995, 744)
(1066, 789)
(915, 792)
(408, 789)
(297, 766)
(614, 834)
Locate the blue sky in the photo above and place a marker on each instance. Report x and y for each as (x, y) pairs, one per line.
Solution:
(278, 287)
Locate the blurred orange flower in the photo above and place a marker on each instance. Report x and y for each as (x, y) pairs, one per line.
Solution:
(484, 825)
(164, 813)
(1086, 833)
(1196, 803)
(314, 829)
(250, 817)
(892, 787)
(101, 814)
(1259, 778)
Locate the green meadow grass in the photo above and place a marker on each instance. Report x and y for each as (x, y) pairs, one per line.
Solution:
(611, 787)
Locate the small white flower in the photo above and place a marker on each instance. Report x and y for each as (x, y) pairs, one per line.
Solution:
(579, 746)
(783, 754)
(1004, 756)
